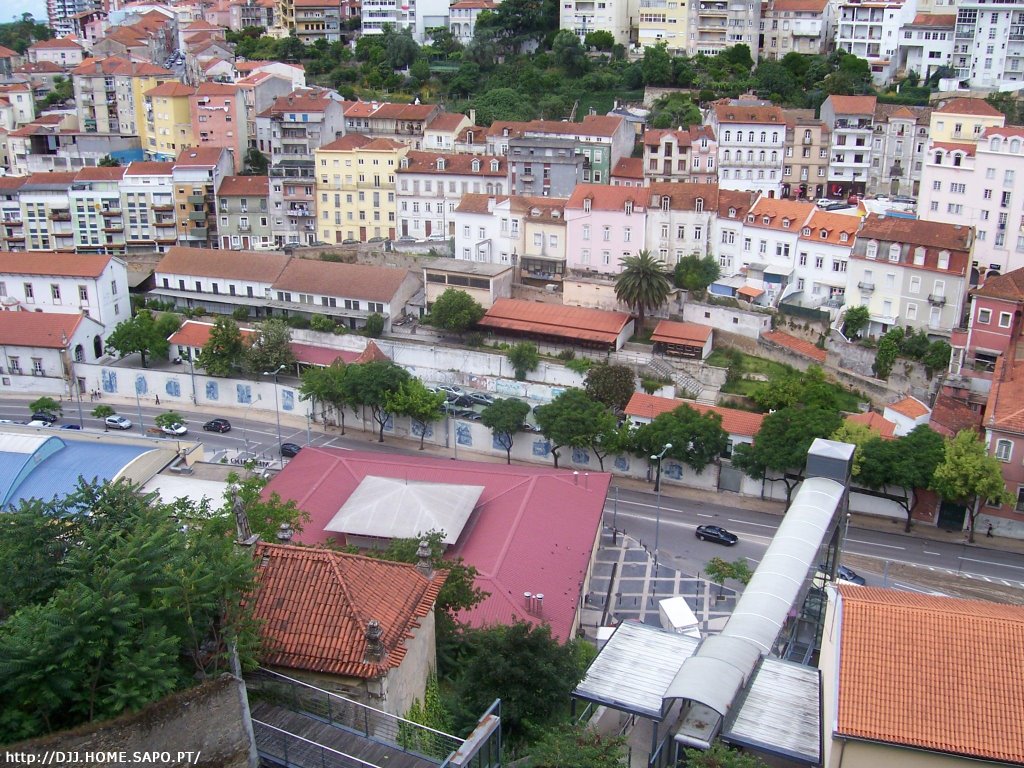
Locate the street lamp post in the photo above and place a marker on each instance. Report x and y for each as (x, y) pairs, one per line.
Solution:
(657, 489)
(277, 411)
(138, 405)
(192, 373)
(245, 421)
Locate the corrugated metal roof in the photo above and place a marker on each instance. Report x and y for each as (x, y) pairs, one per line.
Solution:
(780, 712)
(635, 667)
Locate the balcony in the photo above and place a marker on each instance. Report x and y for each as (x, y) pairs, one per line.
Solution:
(114, 228)
(196, 199)
(166, 240)
(108, 212)
(59, 216)
(162, 208)
(165, 223)
(198, 233)
(300, 212)
(866, 287)
(197, 215)
(245, 227)
(936, 300)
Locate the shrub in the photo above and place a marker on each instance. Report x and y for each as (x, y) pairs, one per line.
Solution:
(321, 323)
(240, 313)
(374, 326)
(566, 354)
(474, 339)
(297, 321)
(650, 386)
(580, 366)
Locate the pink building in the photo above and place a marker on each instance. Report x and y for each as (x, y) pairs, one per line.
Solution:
(603, 225)
(219, 119)
(994, 325)
(1004, 434)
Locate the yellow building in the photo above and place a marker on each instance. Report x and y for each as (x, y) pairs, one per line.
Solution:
(166, 128)
(139, 86)
(663, 23)
(355, 188)
(962, 121)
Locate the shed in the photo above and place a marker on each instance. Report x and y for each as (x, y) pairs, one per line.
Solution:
(690, 340)
(558, 323)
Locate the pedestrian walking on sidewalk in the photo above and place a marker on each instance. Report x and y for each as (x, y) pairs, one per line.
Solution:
(158, 399)
(988, 533)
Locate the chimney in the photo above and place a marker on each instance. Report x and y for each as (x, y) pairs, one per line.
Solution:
(374, 646)
(285, 533)
(472, 116)
(423, 564)
(490, 204)
(244, 536)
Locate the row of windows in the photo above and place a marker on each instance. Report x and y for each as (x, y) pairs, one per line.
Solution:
(727, 136)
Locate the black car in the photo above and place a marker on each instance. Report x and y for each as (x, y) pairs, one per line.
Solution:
(217, 425)
(716, 534)
(288, 450)
(46, 416)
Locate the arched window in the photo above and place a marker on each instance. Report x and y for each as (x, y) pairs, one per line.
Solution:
(1015, 146)
(995, 144)
(476, 166)
(750, 137)
(775, 156)
(894, 252)
(775, 137)
(957, 158)
(700, 205)
(666, 202)
(764, 136)
(728, 136)
(727, 156)
(938, 158)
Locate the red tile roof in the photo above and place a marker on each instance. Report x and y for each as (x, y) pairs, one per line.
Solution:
(955, 146)
(386, 110)
(805, 348)
(53, 264)
(605, 198)
(256, 266)
(629, 168)
(575, 323)
(172, 88)
(199, 156)
(149, 168)
(473, 202)
(965, 106)
(533, 529)
(783, 215)
(683, 195)
(346, 143)
(195, 334)
(313, 606)
(7, 53)
(834, 225)
(357, 281)
(798, 6)
(1009, 287)
(734, 421)
(934, 20)
(47, 330)
(950, 416)
(1005, 408)
(673, 332)
(451, 121)
(256, 186)
(876, 422)
(371, 353)
(55, 43)
(454, 163)
(910, 407)
(933, 234)
(117, 65)
(748, 113)
(101, 173)
(853, 105)
(969, 704)
(299, 101)
(1004, 131)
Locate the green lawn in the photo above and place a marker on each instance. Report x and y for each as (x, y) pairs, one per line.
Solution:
(604, 101)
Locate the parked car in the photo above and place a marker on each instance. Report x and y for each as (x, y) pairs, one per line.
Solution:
(290, 450)
(466, 413)
(117, 422)
(437, 237)
(377, 240)
(217, 425)
(846, 574)
(528, 427)
(71, 426)
(44, 416)
(716, 534)
(39, 423)
(837, 206)
(406, 239)
(349, 241)
(480, 398)
(451, 390)
(177, 429)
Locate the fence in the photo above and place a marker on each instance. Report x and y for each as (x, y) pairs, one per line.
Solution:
(284, 748)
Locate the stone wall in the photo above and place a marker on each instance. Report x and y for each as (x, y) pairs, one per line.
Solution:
(204, 726)
(739, 322)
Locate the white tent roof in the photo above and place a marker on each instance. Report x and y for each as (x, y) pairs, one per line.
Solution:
(392, 508)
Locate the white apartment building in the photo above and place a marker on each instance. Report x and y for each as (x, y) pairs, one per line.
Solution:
(679, 220)
(898, 145)
(926, 43)
(583, 16)
(415, 15)
(63, 283)
(477, 233)
(988, 46)
(462, 16)
(796, 26)
(751, 145)
(96, 213)
(770, 234)
(871, 31)
(683, 154)
(431, 184)
(147, 199)
(719, 24)
(822, 259)
(45, 212)
(727, 229)
(851, 120)
(980, 186)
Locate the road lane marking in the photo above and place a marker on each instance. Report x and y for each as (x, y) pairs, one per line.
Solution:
(701, 514)
(990, 562)
(927, 552)
(748, 522)
(873, 544)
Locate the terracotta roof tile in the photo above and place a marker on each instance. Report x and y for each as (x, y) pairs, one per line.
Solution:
(53, 264)
(1009, 286)
(257, 266)
(101, 173)
(969, 704)
(629, 168)
(798, 6)
(748, 113)
(473, 202)
(12, 182)
(965, 106)
(954, 146)
(1005, 131)
(605, 198)
(853, 105)
(734, 421)
(683, 195)
(934, 20)
(933, 234)
(149, 168)
(7, 53)
(876, 422)
(673, 332)
(950, 416)
(533, 528)
(539, 208)
(371, 354)
(313, 607)
(556, 320)
(170, 89)
(779, 211)
(454, 163)
(257, 186)
(800, 346)
(448, 121)
(346, 143)
(49, 180)
(834, 225)
(1005, 408)
(48, 330)
(199, 156)
(910, 407)
(299, 100)
(740, 202)
(357, 281)
(195, 334)
(56, 43)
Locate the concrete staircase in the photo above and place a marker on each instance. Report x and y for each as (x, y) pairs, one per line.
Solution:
(686, 385)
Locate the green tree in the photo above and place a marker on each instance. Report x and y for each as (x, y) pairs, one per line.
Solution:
(400, 50)
(720, 756)
(600, 40)
(372, 384)
(103, 412)
(330, 388)
(505, 417)
(224, 350)
(502, 104)
(695, 273)
(574, 746)
(256, 163)
(885, 356)
(269, 348)
(968, 475)
(674, 110)
(697, 438)
(108, 161)
(127, 603)
(523, 665)
(809, 388)
(612, 385)
(524, 358)
(169, 419)
(569, 53)
(290, 49)
(266, 513)
(858, 435)
(856, 320)
(374, 327)
(145, 333)
(719, 571)
(774, 81)
(936, 358)
(46, 404)
(642, 284)
(738, 56)
(780, 446)
(576, 420)
(417, 402)
(456, 311)
(432, 713)
(22, 32)
(656, 65)
(899, 467)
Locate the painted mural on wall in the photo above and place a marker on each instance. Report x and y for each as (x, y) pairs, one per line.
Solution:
(500, 442)
(580, 456)
(419, 431)
(243, 393)
(108, 380)
(287, 400)
(540, 448)
(172, 388)
(622, 463)
(141, 388)
(212, 390)
(673, 470)
(463, 433)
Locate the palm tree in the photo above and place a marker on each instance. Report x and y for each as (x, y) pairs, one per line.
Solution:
(643, 284)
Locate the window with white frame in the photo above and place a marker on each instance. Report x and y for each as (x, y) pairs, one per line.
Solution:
(1005, 318)
(1004, 449)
